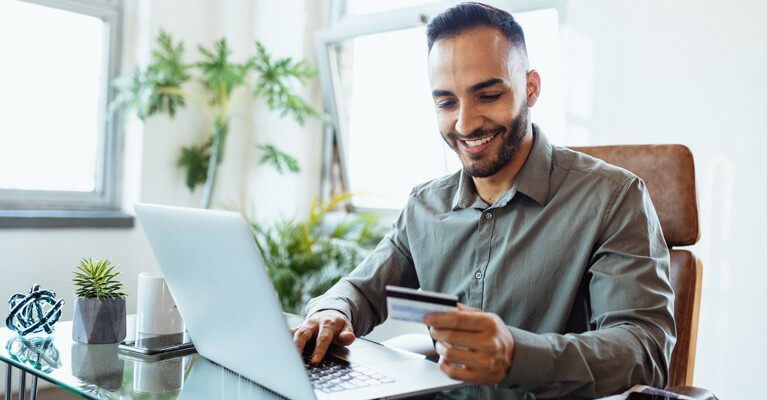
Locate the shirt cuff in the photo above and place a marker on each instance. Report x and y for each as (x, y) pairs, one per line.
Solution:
(330, 304)
(531, 363)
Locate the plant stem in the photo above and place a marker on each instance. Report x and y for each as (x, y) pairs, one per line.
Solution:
(220, 129)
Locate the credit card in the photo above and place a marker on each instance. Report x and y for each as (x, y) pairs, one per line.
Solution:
(407, 304)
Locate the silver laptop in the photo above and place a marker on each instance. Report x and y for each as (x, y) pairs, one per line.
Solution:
(223, 292)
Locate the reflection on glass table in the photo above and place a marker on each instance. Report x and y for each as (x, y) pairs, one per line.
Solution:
(92, 371)
(103, 372)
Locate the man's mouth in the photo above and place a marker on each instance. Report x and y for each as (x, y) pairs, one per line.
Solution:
(477, 146)
(475, 143)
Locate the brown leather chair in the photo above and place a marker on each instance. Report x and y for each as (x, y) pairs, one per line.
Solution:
(669, 173)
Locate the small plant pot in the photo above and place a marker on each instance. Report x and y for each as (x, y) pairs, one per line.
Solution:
(99, 321)
(98, 364)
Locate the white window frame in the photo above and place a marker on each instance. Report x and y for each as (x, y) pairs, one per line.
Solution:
(343, 27)
(104, 197)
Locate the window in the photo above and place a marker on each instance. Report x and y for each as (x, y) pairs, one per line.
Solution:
(57, 142)
(384, 139)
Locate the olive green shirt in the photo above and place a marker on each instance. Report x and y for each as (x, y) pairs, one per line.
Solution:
(572, 258)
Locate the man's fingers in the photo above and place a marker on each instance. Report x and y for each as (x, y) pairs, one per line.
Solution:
(325, 336)
(464, 307)
(467, 339)
(302, 335)
(324, 327)
(457, 355)
(457, 372)
(459, 320)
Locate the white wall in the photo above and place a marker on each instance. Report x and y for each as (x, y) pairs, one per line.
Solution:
(689, 72)
(47, 256)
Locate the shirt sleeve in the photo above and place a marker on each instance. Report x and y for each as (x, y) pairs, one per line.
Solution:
(631, 304)
(361, 296)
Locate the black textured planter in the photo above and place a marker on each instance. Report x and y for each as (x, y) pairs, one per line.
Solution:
(99, 321)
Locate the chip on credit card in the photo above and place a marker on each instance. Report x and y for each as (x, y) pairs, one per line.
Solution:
(407, 304)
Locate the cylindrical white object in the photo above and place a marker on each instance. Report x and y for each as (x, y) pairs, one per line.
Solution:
(158, 377)
(156, 311)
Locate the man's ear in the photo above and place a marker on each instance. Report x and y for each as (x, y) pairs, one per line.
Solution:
(533, 87)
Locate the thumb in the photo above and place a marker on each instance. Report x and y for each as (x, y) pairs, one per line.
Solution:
(345, 337)
(464, 307)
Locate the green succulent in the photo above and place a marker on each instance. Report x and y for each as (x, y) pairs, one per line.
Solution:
(95, 279)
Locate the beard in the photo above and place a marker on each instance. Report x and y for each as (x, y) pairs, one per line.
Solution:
(485, 165)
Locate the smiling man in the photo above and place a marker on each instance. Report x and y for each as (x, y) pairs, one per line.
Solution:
(558, 259)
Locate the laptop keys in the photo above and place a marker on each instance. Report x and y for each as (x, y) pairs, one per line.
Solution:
(335, 375)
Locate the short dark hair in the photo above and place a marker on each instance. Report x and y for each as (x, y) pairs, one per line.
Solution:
(455, 20)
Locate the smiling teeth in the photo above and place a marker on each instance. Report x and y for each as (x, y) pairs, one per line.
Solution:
(475, 143)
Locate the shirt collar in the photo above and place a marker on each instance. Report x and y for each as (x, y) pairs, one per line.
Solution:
(532, 180)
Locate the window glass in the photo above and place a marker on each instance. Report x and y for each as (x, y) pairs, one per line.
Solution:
(52, 78)
(393, 142)
(357, 7)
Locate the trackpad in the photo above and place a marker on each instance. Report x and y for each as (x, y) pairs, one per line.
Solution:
(369, 353)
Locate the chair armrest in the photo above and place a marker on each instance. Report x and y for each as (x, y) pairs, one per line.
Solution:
(692, 391)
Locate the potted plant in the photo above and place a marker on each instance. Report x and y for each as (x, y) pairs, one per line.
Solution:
(305, 259)
(99, 316)
(215, 84)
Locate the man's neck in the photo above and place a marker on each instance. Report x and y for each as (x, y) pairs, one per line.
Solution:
(491, 188)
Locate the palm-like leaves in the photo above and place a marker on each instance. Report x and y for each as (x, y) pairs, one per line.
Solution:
(219, 76)
(305, 259)
(275, 79)
(158, 87)
(96, 279)
(278, 159)
(164, 86)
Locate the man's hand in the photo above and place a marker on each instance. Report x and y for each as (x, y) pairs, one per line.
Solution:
(325, 326)
(479, 342)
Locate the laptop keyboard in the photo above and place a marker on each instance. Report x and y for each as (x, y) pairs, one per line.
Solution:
(334, 375)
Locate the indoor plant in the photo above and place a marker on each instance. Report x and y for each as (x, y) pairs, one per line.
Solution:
(215, 84)
(305, 259)
(99, 315)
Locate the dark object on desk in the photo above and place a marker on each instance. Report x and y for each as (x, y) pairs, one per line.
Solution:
(669, 173)
(36, 311)
(692, 391)
(164, 345)
(645, 396)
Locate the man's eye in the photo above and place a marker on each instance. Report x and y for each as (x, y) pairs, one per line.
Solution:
(490, 97)
(445, 104)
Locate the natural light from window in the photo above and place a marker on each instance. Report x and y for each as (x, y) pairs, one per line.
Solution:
(51, 79)
(393, 142)
(358, 7)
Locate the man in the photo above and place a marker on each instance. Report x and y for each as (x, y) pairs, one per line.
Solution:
(558, 259)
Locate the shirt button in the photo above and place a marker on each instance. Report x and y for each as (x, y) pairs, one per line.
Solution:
(478, 275)
(489, 216)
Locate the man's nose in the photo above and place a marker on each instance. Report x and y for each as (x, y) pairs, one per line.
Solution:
(469, 120)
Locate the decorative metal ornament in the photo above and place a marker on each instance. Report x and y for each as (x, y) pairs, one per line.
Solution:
(29, 314)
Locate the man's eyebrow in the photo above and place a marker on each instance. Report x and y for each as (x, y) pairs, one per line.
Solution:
(438, 93)
(476, 87)
(487, 83)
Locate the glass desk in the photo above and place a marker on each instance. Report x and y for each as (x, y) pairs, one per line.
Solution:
(102, 372)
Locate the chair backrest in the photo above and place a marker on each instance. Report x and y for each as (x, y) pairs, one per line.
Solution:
(669, 174)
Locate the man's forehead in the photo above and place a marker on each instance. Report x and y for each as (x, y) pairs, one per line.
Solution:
(477, 39)
(474, 56)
